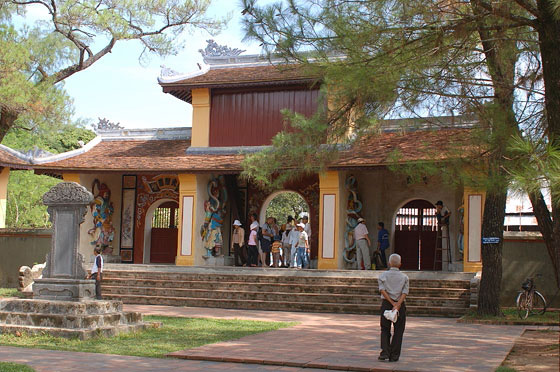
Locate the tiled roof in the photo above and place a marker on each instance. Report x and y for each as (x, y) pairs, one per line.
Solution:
(254, 76)
(10, 161)
(237, 75)
(144, 156)
(419, 145)
(171, 156)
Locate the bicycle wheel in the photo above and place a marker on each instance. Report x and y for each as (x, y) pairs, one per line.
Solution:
(539, 303)
(522, 305)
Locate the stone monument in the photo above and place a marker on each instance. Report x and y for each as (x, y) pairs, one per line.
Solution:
(63, 303)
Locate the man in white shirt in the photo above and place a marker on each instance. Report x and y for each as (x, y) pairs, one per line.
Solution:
(393, 286)
(293, 238)
(96, 271)
(362, 244)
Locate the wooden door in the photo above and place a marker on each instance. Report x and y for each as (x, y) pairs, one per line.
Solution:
(415, 235)
(163, 247)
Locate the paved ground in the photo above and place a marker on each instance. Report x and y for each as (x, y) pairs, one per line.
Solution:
(334, 341)
(346, 341)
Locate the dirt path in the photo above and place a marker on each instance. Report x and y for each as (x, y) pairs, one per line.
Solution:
(535, 351)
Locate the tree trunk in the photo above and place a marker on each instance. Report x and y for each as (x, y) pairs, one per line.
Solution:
(548, 231)
(7, 119)
(492, 226)
(549, 43)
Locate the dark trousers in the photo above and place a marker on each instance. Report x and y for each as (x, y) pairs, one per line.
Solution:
(97, 284)
(252, 252)
(383, 257)
(239, 255)
(392, 347)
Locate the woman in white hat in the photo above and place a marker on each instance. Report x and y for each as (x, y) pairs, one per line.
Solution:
(238, 244)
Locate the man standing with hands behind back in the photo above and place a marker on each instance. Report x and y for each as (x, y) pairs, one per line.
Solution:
(393, 285)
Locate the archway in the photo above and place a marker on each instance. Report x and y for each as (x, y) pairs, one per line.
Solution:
(415, 235)
(282, 204)
(160, 232)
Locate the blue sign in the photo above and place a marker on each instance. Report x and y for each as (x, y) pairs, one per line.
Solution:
(491, 240)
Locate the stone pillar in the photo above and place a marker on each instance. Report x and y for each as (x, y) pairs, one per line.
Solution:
(64, 276)
(329, 221)
(4, 177)
(472, 239)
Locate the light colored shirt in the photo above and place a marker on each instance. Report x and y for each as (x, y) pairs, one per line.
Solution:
(394, 282)
(302, 239)
(97, 264)
(266, 227)
(293, 237)
(361, 231)
(307, 230)
(253, 237)
(238, 236)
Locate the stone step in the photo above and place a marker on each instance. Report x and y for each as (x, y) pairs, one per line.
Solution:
(282, 276)
(276, 287)
(80, 333)
(69, 321)
(272, 296)
(60, 307)
(371, 309)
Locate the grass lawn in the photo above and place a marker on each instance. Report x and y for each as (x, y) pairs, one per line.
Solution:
(505, 369)
(175, 334)
(14, 367)
(511, 317)
(10, 292)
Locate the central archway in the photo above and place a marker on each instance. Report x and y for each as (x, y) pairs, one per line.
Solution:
(284, 203)
(166, 234)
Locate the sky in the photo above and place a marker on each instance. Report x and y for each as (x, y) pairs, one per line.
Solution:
(121, 89)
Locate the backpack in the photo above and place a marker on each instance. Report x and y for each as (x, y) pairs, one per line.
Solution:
(260, 235)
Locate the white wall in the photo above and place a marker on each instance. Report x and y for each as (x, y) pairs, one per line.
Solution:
(382, 193)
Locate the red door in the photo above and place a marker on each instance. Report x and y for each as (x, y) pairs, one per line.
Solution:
(415, 235)
(163, 247)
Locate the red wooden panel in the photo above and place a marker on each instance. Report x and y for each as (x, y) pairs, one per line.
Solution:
(428, 248)
(406, 245)
(252, 118)
(163, 245)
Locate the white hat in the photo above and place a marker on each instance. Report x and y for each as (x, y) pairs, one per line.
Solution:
(254, 225)
(236, 223)
(302, 225)
(360, 220)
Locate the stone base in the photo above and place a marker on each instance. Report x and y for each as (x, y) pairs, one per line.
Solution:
(81, 320)
(63, 289)
(218, 261)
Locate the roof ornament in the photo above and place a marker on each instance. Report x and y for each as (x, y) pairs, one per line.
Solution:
(166, 71)
(104, 125)
(215, 50)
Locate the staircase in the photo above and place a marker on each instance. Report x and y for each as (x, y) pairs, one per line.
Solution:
(431, 293)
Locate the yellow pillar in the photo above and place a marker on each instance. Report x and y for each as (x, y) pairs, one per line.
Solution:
(472, 239)
(187, 210)
(329, 199)
(71, 177)
(201, 117)
(4, 177)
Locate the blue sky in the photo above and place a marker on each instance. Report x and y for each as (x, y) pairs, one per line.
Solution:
(119, 88)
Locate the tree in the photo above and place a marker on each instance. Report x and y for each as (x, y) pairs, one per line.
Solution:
(35, 58)
(418, 58)
(287, 204)
(25, 207)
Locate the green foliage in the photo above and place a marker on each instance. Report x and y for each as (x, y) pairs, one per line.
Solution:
(11, 292)
(287, 204)
(25, 207)
(14, 367)
(35, 55)
(175, 334)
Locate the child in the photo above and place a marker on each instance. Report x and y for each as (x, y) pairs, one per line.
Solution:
(276, 247)
(96, 271)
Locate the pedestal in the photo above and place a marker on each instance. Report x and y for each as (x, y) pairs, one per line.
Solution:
(63, 289)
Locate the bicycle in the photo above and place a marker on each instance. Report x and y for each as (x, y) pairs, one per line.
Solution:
(530, 301)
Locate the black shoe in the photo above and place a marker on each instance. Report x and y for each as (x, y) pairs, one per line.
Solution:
(382, 357)
(393, 359)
